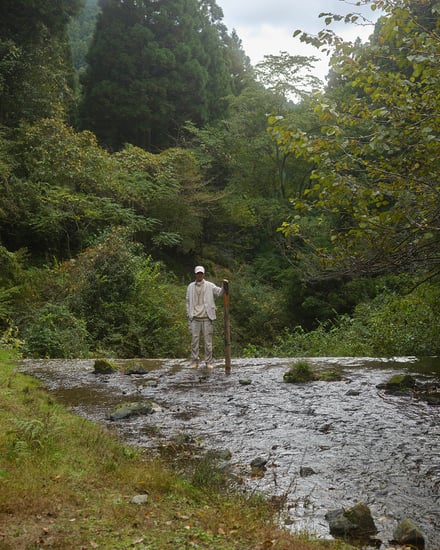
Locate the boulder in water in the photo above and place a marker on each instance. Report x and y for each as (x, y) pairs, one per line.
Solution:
(104, 366)
(399, 383)
(407, 533)
(354, 523)
(134, 409)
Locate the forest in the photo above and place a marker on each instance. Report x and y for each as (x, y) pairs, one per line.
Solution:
(137, 140)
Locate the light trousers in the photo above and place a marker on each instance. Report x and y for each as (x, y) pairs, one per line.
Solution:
(200, 327)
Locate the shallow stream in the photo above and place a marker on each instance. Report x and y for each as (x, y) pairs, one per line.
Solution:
(327, 444)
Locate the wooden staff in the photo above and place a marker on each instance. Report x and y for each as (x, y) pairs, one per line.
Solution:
(227, 327)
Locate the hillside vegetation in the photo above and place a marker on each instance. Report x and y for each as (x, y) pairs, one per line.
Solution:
(136, 143)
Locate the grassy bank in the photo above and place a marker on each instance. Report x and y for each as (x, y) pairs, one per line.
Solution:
(68, 483)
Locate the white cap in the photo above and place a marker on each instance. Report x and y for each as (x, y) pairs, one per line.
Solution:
(199, 269)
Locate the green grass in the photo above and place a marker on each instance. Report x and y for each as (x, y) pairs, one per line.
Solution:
(67, 483)
(303, 371)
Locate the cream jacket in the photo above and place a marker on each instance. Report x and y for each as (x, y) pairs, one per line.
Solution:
(211, 291)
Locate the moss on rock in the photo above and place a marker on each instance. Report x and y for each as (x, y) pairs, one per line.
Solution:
(103, 366)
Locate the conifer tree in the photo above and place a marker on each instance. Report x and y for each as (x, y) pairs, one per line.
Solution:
(35, 64)
(152, 67)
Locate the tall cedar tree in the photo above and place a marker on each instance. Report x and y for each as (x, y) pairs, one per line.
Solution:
(153, 65)
(35, 64)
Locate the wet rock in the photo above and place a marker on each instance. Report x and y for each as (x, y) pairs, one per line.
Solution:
(353, 393)
(103, 366)
(407, 533)
(405, 384)
(245, 381)
(339, 524)
(325, 428)
(139, 499)
(429, 392)
(375, 542)
(136, 370)
(306, 471)
(354, 523)
(398, 384)
(134, 409)
(219, 454)
(149, 383)
(259, 463)
(433, 399)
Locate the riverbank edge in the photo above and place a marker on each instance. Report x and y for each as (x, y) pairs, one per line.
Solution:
(66, 482)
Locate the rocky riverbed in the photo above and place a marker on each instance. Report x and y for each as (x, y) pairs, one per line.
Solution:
(319, 446)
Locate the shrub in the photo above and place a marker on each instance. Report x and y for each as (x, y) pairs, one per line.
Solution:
(403, 324)
(102, 285)
(157, 322)
(127, 302)
(391, 324)
(257, 312)
(55, 332)
(300, 372)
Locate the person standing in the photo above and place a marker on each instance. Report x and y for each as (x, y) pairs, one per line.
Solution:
(201, 313)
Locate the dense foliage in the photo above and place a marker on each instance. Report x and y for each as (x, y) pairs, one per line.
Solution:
(324, 214)
(151, 67)
(35, 71)
(377, 154)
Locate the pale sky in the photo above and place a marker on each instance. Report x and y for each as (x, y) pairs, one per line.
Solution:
(266, 26)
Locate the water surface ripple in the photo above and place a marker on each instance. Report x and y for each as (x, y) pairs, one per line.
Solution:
(354, 442)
